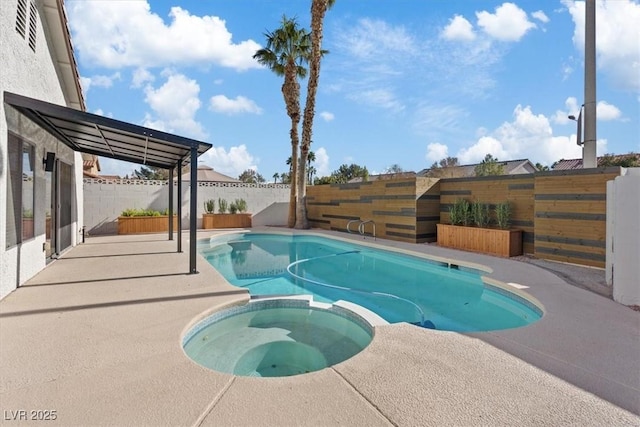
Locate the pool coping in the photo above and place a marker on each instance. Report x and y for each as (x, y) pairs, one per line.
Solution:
(95, 336)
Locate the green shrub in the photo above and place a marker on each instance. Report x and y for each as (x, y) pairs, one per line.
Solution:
(460, 212)
(503, 215)
(480, 214)
(142, 212)
(241, 204)
(222, 206)
(233, 208)
(209, 206)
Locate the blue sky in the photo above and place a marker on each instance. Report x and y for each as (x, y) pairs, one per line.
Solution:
(406, 82)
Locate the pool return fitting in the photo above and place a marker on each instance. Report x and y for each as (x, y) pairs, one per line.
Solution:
(361, 227)
(422, 323)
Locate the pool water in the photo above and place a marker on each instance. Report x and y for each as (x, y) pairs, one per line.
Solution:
(397, 287)
(276, 338)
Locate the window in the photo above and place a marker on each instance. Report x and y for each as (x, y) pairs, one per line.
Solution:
(20, 191)
(33, 26)
(21, 17)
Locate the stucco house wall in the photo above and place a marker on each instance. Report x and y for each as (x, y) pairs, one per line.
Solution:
(35, 73)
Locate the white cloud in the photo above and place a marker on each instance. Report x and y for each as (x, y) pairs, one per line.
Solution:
(98, 81)
(382, 98)
(458, 29)
(327, 116)
(232, 162)
(322, 162)
(617, 38)
(117, 34)
(140, 77)
(436, 152)
(509, 23)
(175, 103)
(606, 111)
(528, 136)
(540, 16)
(371, 38)
(222, 104)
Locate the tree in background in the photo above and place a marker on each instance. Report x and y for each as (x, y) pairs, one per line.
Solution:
(443, 168)
(542, 167)
(250, 176)
(275, 177)
(394, 168)
(318, 10)
(631, 160)
(287, 51)
(489, 167)
(151, 172)
(344, 174)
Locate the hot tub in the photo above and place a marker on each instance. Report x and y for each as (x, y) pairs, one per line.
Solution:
(278, 337)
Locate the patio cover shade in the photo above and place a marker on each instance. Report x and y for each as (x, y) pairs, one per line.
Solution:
(103, 136)
(90, 133)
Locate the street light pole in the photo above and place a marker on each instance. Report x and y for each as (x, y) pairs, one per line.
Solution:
(589, 159)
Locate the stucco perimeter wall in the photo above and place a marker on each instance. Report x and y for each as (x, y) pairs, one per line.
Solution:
(402, 209)
(105, 199)
(623, 207)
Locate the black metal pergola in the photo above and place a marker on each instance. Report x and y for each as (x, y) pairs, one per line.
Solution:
(93, 134)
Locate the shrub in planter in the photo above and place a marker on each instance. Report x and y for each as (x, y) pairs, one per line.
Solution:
(460, 213)
(233, 209)
(222, 206)
(503, 215)
(480, 214)
(241, 204)
(209, 206)
(132, 221)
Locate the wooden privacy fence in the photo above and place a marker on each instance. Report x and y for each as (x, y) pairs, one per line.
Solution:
(401, 209)
(562, 213)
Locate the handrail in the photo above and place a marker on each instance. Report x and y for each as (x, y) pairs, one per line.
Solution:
(384, 294)
(361, 226)
(349, 223)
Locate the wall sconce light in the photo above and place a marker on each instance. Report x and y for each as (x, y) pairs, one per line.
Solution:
(49, 161)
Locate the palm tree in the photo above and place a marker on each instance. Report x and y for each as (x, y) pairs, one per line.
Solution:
(286, 52)
(275, 177)
(311, 157)
(318, 10)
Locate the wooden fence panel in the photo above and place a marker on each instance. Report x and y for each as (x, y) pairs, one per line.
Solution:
(570, 215)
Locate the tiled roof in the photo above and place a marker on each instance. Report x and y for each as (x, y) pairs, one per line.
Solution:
(569, 164)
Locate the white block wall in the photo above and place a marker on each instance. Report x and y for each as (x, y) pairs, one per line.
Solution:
(104, 201)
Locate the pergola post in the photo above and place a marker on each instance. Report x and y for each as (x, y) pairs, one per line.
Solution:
(193, 209)
(171, 204)
(179, 189)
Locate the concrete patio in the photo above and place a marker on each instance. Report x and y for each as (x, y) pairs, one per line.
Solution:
(96, 337)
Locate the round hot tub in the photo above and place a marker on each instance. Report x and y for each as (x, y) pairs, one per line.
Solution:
(280, 337)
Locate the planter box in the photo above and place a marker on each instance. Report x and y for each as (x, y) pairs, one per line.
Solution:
(241, 220)
(493, 241)
(145, 224)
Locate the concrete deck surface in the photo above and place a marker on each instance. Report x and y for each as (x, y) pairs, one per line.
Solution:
(96, 338)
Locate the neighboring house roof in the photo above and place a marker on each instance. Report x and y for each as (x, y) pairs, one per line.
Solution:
(206, 173)
(90, 165)
(570, 164)
(510, 167)
(56, 26)
(383, 176)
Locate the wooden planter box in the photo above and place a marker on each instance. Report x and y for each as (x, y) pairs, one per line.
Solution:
(239, 220)
(493, 241)
(145, 224)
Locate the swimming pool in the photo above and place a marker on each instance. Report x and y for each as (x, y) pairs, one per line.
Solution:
(396, 286)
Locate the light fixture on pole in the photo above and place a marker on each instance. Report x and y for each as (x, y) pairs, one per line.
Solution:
(578, 120)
